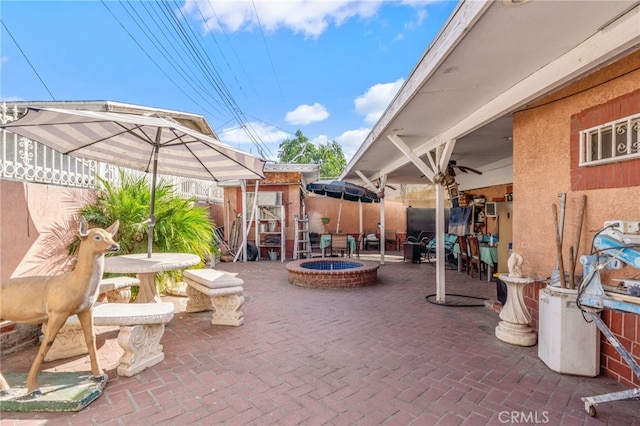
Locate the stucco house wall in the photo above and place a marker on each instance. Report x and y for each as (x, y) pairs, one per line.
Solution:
(319, 206)
(29, 212)
(545, 149)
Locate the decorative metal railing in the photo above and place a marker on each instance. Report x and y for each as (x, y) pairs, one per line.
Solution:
(27, 160)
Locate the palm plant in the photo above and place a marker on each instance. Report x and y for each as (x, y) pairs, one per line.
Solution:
(180, 226)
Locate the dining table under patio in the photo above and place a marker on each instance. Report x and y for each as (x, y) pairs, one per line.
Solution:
(325, 242)
(488, 256)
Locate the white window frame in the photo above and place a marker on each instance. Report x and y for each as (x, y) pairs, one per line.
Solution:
(615, 141)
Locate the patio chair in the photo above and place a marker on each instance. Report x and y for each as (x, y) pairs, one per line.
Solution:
(314, 241)
(359, 242)
(417, 239)
(464, 253)
(340, 242)
(449, 242)
(474, 256)
(371, 244)
(390, 239)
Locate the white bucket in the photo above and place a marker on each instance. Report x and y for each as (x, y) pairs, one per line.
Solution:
(273, 255)
(567, 344)
(272, 225)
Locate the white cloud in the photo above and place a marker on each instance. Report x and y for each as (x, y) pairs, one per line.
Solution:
(306, 114)
(267, 135)
(12, 99)
(320, 140)
(351, 140)
(308, 17)
(373, 103)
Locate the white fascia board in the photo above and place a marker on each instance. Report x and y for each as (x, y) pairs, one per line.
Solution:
(603, 46)
(465, 15)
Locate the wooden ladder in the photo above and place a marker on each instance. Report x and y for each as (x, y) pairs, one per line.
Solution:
(301, 243)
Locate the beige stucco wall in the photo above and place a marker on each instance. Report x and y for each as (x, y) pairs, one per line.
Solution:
(28, 214)
(319, 206)
(541, 149)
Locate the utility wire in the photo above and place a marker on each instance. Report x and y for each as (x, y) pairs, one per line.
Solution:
(187, 49)
(27, 59)
(150, 58)
(274, 126)
(235, 54)
(224, 91)
(222, 54)
(266, 46)
(171, 58)
(183, 72)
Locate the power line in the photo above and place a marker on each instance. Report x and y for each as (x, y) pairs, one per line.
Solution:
(235, 54)
(187, 49)
(224, 92)
(167, 55)
(27, 59)
(266, 46)
(149, 56)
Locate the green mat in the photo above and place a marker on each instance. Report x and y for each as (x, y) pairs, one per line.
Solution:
(61, 391)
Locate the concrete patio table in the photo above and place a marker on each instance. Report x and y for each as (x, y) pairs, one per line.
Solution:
(146, 269)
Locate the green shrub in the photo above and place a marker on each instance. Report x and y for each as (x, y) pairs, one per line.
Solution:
(181, 226)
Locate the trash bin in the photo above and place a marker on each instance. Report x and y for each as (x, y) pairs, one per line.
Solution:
(252, 251)
(501, 290)
(566, 342)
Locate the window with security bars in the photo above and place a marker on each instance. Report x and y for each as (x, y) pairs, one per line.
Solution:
(615, 141)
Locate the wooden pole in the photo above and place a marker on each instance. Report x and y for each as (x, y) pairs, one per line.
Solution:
(563, 283)
(572, 267)
(576, 245)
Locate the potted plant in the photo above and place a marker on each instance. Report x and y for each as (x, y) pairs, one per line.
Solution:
(325, 221)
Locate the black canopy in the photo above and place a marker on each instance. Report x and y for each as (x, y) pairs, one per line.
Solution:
(343, 190)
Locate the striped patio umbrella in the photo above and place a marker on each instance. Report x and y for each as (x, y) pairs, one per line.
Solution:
(153, 144)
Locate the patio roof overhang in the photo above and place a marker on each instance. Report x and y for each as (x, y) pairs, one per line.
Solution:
(490, 59)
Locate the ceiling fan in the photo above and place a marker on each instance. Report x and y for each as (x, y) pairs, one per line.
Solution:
(448, 178)
(464, 169)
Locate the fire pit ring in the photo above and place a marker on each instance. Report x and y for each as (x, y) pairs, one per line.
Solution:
(332, 273)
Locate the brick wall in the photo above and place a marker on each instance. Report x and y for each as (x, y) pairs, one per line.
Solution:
(626, 327)
(531, 296)
(611, 175)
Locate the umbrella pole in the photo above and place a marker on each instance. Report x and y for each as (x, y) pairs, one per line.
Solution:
(339, 216)
(152, 216)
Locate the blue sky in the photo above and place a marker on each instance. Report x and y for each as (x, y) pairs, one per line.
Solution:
(257, 70)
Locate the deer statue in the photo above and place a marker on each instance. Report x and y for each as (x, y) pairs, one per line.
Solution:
(52, 299)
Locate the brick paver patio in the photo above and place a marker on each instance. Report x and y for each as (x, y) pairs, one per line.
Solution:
(367, 356)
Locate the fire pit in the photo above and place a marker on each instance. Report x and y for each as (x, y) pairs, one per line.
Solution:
(332, 273)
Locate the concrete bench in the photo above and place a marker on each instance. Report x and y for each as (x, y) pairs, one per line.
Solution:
(141, 328)
(118, 289)
(211, 289)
